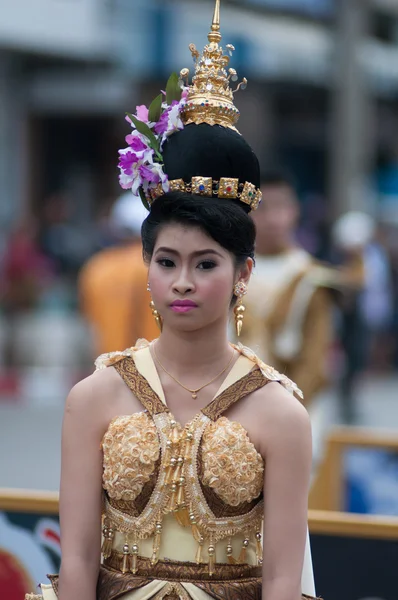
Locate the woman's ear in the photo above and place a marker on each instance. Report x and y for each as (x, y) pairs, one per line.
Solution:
(245, 271)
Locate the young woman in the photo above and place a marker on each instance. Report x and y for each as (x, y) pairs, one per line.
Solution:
(186, 445)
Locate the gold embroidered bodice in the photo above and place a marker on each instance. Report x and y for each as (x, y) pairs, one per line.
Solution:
(207, 476)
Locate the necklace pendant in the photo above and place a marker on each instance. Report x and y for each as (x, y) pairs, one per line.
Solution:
(194, 395)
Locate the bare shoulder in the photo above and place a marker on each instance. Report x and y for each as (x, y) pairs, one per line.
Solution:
(94, 396)
(278, 401)
(282, 415)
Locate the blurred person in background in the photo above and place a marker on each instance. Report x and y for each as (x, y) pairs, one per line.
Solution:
(26, 276)
(366, 307)
(112, 284)
(289, 308)
(25, 268)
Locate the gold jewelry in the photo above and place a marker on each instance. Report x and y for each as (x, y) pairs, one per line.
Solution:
(225, 187)
(240, 290)
(210, 98)
(194, 393)
(156, 315)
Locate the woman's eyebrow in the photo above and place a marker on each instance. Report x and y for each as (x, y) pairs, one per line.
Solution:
(196, 253)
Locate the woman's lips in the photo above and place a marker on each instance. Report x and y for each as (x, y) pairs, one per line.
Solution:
(183, 306)
(182, 309)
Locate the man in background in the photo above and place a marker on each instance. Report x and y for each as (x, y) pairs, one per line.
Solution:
(113, 283)
(288, 306)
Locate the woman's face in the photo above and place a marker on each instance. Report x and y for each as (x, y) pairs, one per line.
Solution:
(192, 278)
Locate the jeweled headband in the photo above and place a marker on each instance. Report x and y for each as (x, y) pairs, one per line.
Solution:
(210, 100)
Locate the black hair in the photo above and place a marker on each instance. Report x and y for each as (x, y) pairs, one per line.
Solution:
(278, 176)
(210, 151)
(225, 221)
(206, 151)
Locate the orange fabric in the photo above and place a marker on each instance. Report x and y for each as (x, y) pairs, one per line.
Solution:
(114, 299)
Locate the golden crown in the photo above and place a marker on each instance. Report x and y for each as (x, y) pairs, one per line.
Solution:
(210, 98)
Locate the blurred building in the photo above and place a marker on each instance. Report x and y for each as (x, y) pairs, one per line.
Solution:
(69, 70)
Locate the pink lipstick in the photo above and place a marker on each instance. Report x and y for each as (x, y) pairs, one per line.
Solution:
(183, 306)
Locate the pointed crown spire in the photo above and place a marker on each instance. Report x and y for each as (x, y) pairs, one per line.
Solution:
(210, 98)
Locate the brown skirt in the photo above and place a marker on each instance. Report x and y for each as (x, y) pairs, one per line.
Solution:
(229, 582)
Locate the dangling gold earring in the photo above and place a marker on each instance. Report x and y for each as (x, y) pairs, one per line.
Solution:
(240, 290)
(156, 315)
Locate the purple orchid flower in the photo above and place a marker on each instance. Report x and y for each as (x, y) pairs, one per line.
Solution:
(136, 143)
(126, 161)
(142, 113)
(148, 175)
(162, 125)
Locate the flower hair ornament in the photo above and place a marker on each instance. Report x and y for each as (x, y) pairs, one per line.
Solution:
(141, 163)
(208, 100)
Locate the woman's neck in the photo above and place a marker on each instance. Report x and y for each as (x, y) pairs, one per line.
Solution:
(200, 350)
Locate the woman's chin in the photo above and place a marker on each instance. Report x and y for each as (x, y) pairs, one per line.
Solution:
(186, 323)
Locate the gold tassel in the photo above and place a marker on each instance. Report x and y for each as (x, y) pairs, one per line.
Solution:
(105, 538)
(182, 448)
(243, 553)
(195, 529)
(134, 559)
(230, 558)
(259, 548)
(107, 545)
(156, 544)
(167, 454)
(181, 494)
(175, 435)
(105, 529)
(178, 471)
(182, 516)
(172, 502)
(198, 557)
(170, 471)
(126, 557)
(188, 445)
(212, 557)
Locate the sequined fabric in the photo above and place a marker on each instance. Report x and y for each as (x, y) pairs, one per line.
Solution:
(131, 450)
(232, 467)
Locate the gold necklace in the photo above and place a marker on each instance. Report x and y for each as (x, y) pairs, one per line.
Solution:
(193, 392)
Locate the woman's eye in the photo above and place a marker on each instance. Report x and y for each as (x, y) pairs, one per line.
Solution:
(165, 262)
(207, 264)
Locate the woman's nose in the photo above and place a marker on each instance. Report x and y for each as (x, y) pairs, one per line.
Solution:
(184, 284)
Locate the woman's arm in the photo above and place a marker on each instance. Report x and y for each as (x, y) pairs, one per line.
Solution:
(288, 456)
(81, 494)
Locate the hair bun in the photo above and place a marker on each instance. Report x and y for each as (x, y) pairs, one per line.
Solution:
(210, 151)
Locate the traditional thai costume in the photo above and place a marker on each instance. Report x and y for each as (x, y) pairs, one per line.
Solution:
(183, 505)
